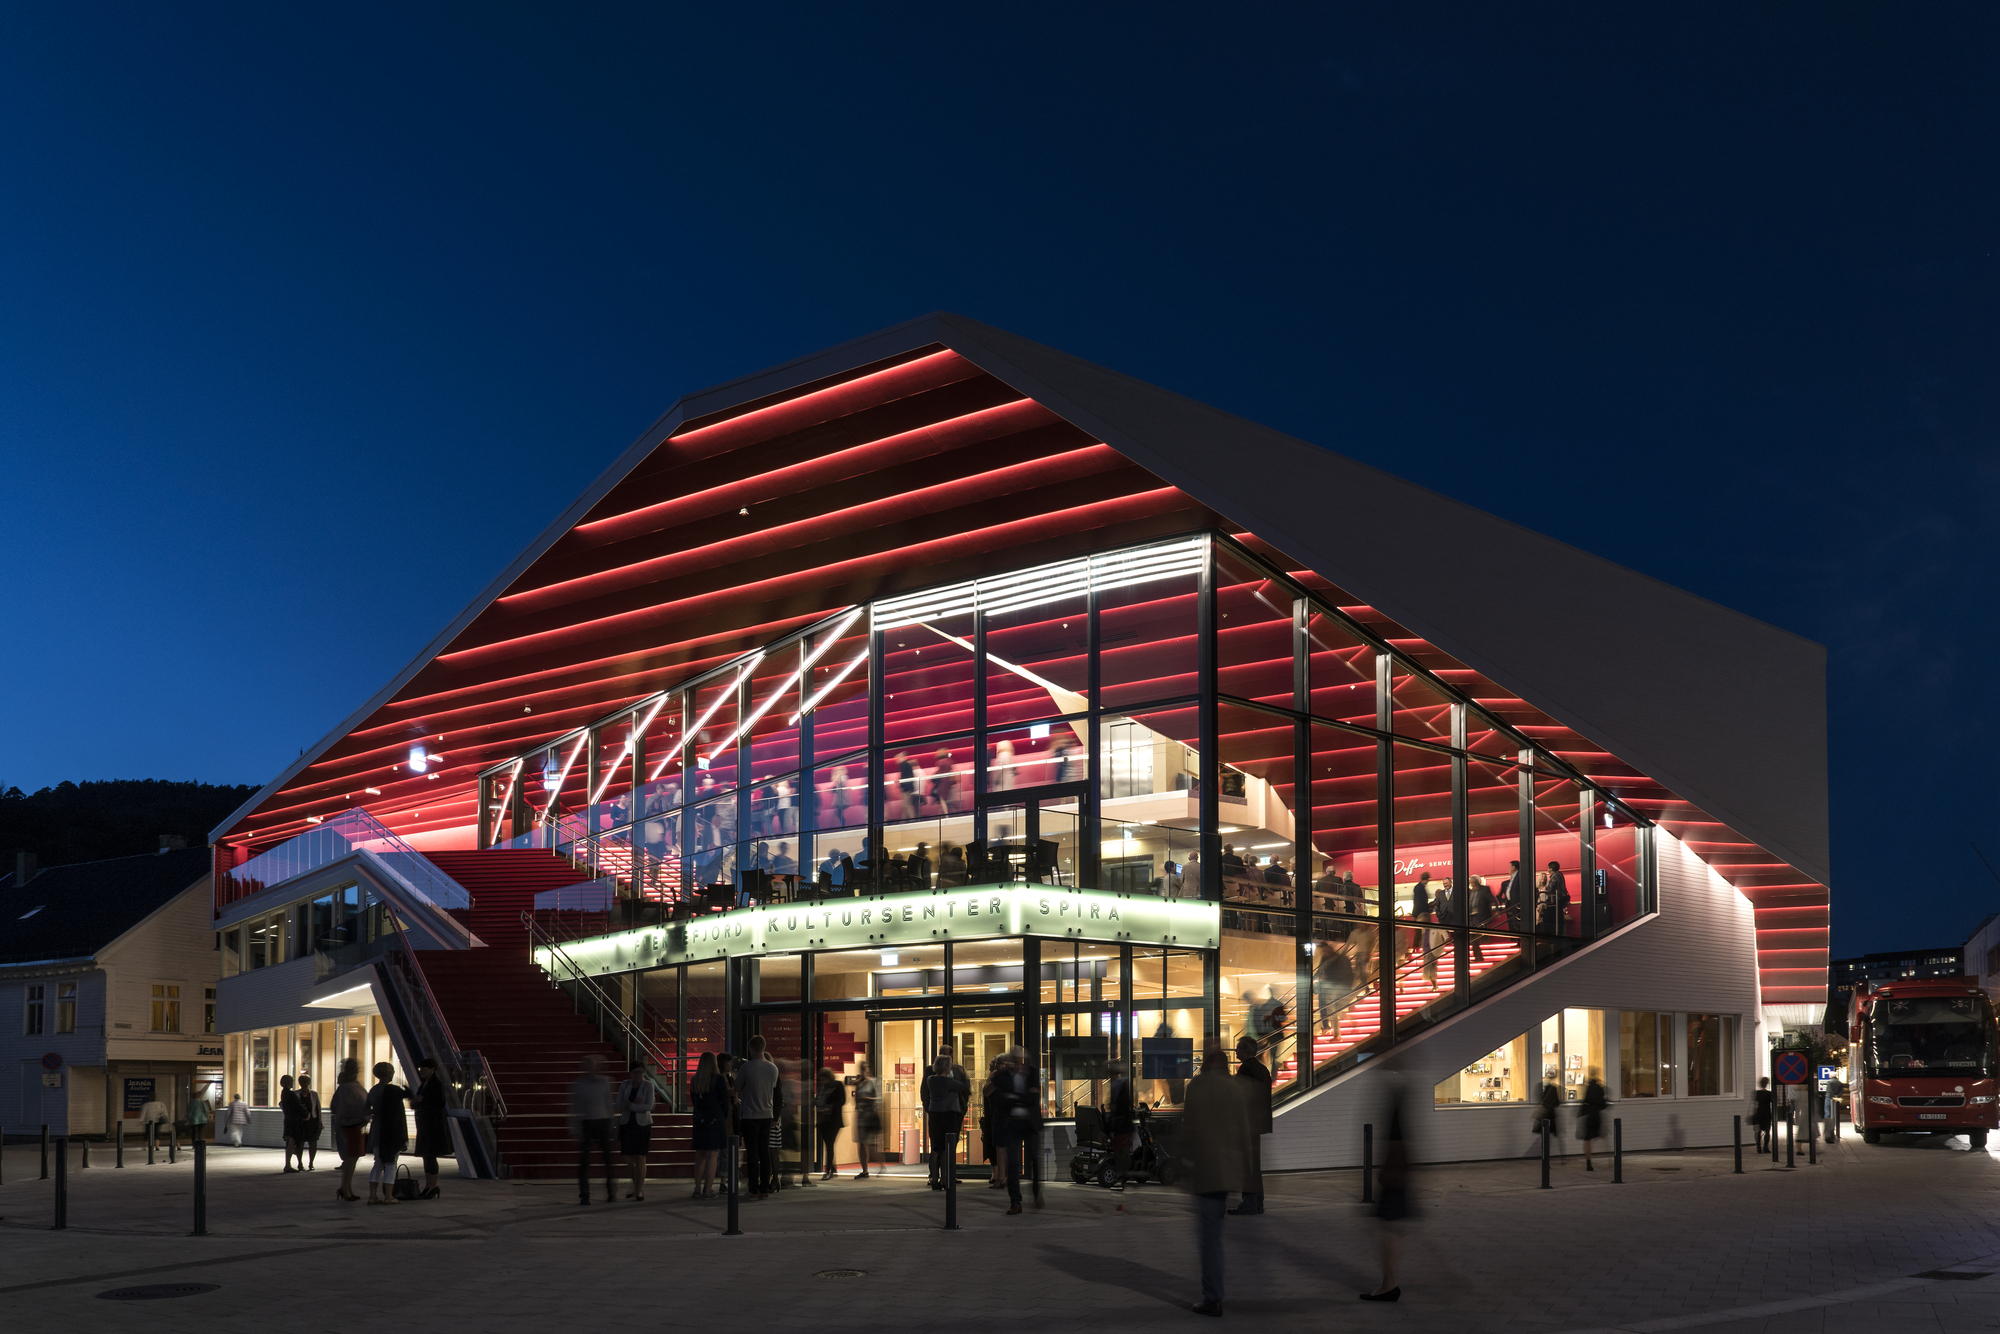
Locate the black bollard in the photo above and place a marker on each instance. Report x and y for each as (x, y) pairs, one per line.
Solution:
(1788, 1137)
(45, 1151)
(1812, 1133)
(152, 1140)
(86, 1154)
(173, 1144)
(1617, 1150)
(62, 1184)
(200, 1187)
(1774, 1135)
(1368, 1164)
(1737, 1136)
(121, 1142)
(1545, 1154)
(732, 1230)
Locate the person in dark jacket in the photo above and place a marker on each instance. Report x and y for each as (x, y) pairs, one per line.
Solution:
(1394, 1207)
(1546, 1103)
(1556, 897)
(433, 1127)
(1017, 1124)
(1590, 1115)
(1121, 1119)
(1214, 1145)
(829, 1115)
(388, 1132)
(1256, 1079)
(945, 1094)
(1763, 1114)
(1517, 893)
(708, 1096)
(295, 1120)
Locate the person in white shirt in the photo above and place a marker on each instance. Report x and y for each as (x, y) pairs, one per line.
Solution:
(237, 1118)
(634, 1110)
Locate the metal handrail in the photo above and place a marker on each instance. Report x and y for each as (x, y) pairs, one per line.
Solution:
(633, 1034)
(434, 1013)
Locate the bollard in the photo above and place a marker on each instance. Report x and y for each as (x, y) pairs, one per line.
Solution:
(1812, 1133)
(950, 1187)
(200, 1187)
(1788, 1136)
(173, 1144)
(732, 1230)
(1617, 1150)
(1774, 1135)
(1368, 1164)
(121, 1142)
(1545, 1154)
(152, 1140)
(45, 1151)
(1738, 1137)
(62, 1184)
(86, 1154)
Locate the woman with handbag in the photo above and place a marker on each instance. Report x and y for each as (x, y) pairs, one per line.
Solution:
(388, 1132)
(1590, 1115)
(634, 1110)
(829, 1116)
(433, 1126)
(350, 1122)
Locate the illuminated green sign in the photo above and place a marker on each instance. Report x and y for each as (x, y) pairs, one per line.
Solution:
(902, 920)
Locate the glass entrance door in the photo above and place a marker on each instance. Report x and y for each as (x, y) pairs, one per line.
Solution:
(1032, 835)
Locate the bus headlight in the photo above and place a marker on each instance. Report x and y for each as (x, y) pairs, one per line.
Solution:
(1882, 1098)
(1984, 1097)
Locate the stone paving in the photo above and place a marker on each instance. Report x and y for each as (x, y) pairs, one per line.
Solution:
(1684, 1243)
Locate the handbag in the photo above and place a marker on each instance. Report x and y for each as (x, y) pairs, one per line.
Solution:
(405, 1187)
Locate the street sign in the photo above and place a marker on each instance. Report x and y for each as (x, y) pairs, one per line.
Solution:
(52, 1060)
(1790, 1067)
(1827, 1072)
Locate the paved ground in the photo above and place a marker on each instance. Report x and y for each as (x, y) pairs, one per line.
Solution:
(1684, 1243)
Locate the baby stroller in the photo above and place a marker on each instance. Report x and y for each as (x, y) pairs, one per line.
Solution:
(1093, 1146)
(1151, 1157)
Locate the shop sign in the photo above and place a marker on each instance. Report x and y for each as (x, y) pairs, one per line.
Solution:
(138, 1092)
(904, 919)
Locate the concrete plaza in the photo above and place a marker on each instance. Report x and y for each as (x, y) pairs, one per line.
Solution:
(1855, 1243)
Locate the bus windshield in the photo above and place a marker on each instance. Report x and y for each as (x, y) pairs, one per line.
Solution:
(1940, 1034)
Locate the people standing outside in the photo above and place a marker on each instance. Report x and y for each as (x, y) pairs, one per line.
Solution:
(829, 1116)
(1215, 1141)
(1590, 1115)
(590, 1125)
(1121, 1119)
(388, 1131)
(634, 1110)
(1836, 1094)
(1762, 1114)
(1018, 1108)
(1393, 1208)
(350, 1121)
(315, 1124)
(989, 1122)
(945, 1094)
(708, 1095)
(1546, 1103)
(198, 1114)
(238, 1117)
(756, 1090)
(867, 1116)
(1257, 1081)
(293, 1118)
(433, 1124)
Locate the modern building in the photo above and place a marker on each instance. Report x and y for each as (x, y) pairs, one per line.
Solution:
(111, 967)
(1843, 975)
(1981, 953)
(942, 689)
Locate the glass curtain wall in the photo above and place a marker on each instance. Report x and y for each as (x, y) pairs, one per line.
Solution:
(1146, 721)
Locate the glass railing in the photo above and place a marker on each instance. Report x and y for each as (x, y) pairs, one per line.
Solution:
(340, 836)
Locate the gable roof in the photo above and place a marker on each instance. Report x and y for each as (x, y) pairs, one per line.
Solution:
(74, 911)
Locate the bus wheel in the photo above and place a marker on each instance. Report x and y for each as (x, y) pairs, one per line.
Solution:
(1978, 1138)
(1871, 1137)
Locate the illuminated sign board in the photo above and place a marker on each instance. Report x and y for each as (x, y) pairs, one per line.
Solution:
(890, 921)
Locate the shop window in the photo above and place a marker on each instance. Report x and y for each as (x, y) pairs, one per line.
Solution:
(260, 1069)
(1501, 1075)
(1148, 859)
(773, 730)
(1160, 974)
(911, 971)
(1585, 1038)
(838, 859)
(1423, 851)
(1037, 661)
(711, 748)
(770, 868)
(665, 758)
(208, 1009)
(1345, 961)
(774, 809)
(34, 1014)
(1253, 632)
(1344, 827)
(65, 1007)
(1645, 1054)
(1707, 1055)
(836, 689)
(1148, 646)
(232, 951)
(1257, 991)
(166, 1007)
(927, 679)
(1484, 737)
(1342, 668)
(1416, 707)
(711, 838)
(1494, 962)
(775, 977)
(1171, 1039)
(565, 779)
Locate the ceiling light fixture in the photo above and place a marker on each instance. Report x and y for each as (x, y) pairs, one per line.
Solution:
(805, 665)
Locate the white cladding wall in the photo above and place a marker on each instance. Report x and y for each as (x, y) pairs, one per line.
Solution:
(1697, 954)
(174, 946)
(268, 998)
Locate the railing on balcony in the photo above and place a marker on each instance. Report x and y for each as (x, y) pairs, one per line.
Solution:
(340, 836)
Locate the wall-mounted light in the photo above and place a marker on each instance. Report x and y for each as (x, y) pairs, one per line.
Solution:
(418, 760)
(889, 958)
(372, 791)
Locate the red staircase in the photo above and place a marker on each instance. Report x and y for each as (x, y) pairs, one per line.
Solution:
(1360, 1022)
(499, 1003)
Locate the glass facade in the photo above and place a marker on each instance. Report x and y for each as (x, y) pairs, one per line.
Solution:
(1175, 720)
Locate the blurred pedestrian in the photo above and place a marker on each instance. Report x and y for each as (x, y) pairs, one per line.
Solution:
(1256, 1080)
(433, 1124)
(388, 1131)
(989, 1124)
(945, 1094)
(709, 1096)
(1590, 1115)
(238, 1117)
(293, 1119)
(1763, 1114)
(1120, 1119)
(1836, 1094)
(1018, 1123)
(199, 1115)
(590, 1124)
(634, 1110)
(867, 1117)
(350, 1119)
(829, 1117)
(315, 1123)
(1214, 1143)
(756, 1094)
(1394, 1209)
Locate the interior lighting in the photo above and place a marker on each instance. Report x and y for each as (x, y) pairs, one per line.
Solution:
(418, 760)
(372, 791)
(805, 665)
(315, 819)
(889, 958)
(827, 689)
(623, 755)
(562, 773)
(1044, 584)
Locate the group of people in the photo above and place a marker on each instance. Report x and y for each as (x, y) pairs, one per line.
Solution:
(1010, 1121)
(758, 1102)
(373, 1120)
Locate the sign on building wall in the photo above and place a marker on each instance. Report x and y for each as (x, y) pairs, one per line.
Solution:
(904, 919)
(138, 1092)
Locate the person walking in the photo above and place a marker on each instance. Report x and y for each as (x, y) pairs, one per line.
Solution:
(1546, 1103)
(829, 1116)
(1121, 1120)
(867, 1117)
(1763, 1114)
(388, 1131)
(708, 1096)
(289, 1113)
(1257, 1081)
(198, 1114)
(945, 1093)
(1590, 1114)
(433, 1125)
(756, 1086)
(1215, 1143)
(350, 1120)
(634, 1110)
(1393, 1209)
(1018, 1123)
(590, 1124)
(1836, 1095)
(238, 1117)
(315, 1123)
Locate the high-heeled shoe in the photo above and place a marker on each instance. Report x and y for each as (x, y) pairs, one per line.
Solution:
(348, 1196)
(1389, 1296)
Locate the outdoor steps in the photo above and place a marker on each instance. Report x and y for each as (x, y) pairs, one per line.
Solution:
(1412, 994)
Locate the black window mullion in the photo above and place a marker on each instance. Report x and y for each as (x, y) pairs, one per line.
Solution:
(1385, 852)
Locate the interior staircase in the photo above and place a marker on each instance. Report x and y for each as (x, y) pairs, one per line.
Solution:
(499, 1003)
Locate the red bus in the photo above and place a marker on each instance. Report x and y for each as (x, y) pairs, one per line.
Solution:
(1928, 1055)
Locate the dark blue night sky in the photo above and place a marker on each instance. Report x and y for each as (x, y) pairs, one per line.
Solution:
(309, 323)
